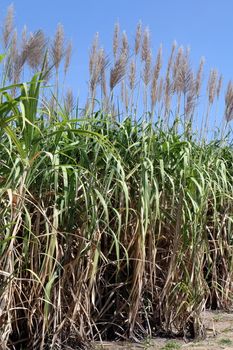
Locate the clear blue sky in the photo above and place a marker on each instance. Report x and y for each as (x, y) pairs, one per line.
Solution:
(204, 25)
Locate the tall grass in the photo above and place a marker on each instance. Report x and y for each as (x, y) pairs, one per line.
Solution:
(112, 226)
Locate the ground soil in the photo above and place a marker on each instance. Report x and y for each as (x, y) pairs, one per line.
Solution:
(219, 330)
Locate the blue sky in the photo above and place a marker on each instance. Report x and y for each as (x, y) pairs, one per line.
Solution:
(204, 25)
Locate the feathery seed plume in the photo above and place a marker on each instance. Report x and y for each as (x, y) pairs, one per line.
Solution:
(12, 55)
(190, 99)
(176, 66)
(34, 49)
(199, 76)
(124, 94)
(229, 102)
(132, 74)
(14, 44)
(219, 86)
(118, 71)
(116, 39)
(212, 85)
(168, 85)
(184, 76)
(153, 95)
(58, 46)
(145, 51)
(158, 63)
(69, 101)
(156, 71)
(19, 61)
(24, 37)
(8, 26)
(103, 61)
(93, 53)
(67, 57)
(160, 89)
(147, 68)
(98, 68)
(138, 38)
(171, 57)
(167, 95)
(17, 70)
(103, 83)
(125, 45)
(155, 76)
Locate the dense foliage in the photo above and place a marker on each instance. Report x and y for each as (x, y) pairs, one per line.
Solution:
(111, 229)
